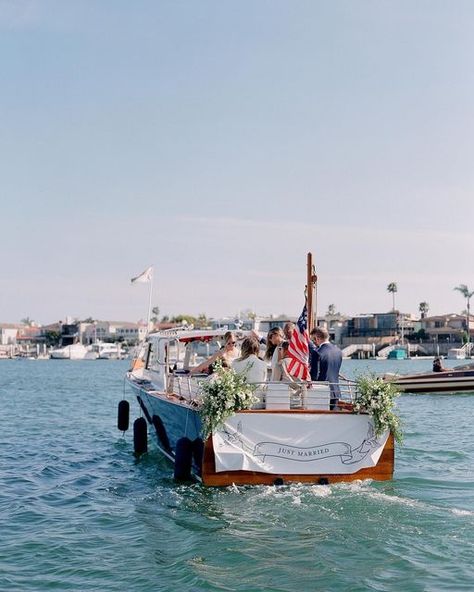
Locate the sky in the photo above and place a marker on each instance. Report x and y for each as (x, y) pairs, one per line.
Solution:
(220, 141)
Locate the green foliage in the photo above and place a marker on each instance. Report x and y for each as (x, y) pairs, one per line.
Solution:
(423, 307)
(52, 337)
(222, 395)
(377, 397)
(189, 319)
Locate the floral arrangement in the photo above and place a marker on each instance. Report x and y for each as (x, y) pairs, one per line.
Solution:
(377, 397)
(222, 395)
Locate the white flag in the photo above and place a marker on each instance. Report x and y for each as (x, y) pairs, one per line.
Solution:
(144, 277)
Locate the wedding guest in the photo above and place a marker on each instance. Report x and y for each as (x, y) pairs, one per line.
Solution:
(325, 362)
(249, 364)
(275, 338)
(227, 353)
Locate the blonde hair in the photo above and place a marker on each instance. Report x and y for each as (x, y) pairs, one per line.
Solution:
(228, 336)
(250, 347)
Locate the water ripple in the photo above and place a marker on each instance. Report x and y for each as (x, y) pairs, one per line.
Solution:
(73, 497)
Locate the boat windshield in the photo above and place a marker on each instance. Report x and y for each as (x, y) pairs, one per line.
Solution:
(194, 353)
(465, 367)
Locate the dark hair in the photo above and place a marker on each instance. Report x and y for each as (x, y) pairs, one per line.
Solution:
(320, 332)
(285, 345)
(270, 347)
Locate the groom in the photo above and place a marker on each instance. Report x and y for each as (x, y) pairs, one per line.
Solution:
(325, 362)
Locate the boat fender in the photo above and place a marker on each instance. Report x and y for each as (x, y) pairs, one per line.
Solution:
(198, 453)
(140, 440)
(144, 409)
(123, 415)
(279, 481)
(161, 433)
(183, 459)
(323, 481)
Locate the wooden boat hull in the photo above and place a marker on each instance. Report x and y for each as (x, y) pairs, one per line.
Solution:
(176, 420)
(383, 471)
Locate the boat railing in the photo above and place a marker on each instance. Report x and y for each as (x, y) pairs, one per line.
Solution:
(273, 395)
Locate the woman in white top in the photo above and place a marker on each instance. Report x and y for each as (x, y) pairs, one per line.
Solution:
(275, 338)
(227, 353)
(249, 364)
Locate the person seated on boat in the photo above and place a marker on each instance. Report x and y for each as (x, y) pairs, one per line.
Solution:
(438, 365)
(275, 338)
(249, 364)
(227, 353)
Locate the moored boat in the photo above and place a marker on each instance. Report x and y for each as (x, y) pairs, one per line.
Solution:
(75, 351)
(456, 380)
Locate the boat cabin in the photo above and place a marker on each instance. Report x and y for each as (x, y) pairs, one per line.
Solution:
(168, 357)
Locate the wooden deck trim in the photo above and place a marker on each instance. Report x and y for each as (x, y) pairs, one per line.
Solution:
(383, 471)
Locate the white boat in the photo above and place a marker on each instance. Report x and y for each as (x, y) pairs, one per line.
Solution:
(76, 351)
(282, 438)
(456, 354)
(104, 351)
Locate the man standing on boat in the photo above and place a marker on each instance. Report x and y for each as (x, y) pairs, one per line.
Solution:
(325, 362)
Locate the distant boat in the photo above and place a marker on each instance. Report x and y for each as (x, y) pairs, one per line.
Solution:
(75, 351)
(104, 351)
(397, 354)
(456, 354)
(455, 380)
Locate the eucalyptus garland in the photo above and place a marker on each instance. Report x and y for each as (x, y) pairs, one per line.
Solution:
(224, 393)
(377, 397)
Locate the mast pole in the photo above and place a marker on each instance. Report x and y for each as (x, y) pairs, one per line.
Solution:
(309, 290)
(311, 302)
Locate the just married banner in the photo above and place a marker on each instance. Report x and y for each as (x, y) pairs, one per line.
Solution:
(297, 443)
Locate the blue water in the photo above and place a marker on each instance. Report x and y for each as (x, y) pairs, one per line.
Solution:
(78, 512)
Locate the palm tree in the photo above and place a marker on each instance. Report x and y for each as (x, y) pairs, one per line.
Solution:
(423, 307)
(392, 289)
(467, 295)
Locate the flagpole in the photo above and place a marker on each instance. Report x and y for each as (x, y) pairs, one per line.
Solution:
(311, 279)
(149, 302)
(309, 291)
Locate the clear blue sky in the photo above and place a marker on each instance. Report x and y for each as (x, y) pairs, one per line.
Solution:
(221, 141)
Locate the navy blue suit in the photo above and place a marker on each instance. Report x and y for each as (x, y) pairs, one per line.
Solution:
(325, 363)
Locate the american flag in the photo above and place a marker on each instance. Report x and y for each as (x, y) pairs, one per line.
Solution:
(298, 349)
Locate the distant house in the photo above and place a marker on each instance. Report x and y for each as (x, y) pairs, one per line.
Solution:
(9, 333)
(114, 331)
(30, 335)
(378, 328)
(446, 328)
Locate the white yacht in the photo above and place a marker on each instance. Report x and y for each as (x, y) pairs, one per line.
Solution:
(75, 351)
(104, 351)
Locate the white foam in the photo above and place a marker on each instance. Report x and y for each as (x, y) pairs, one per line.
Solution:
(458, 512)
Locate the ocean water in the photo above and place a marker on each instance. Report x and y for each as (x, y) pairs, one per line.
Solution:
(79, 512)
